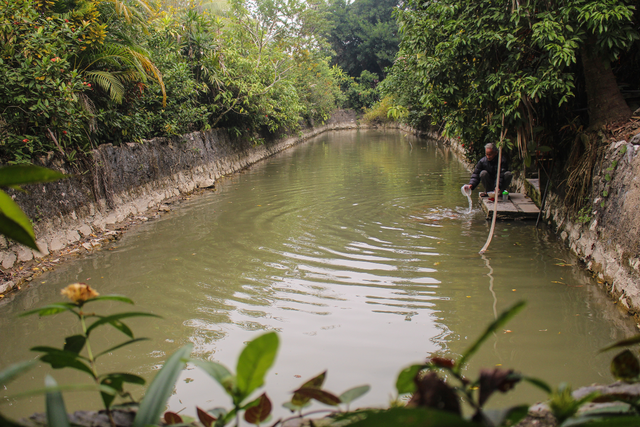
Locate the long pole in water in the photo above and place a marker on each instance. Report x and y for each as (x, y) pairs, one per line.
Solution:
(495, 208)
(495, 195)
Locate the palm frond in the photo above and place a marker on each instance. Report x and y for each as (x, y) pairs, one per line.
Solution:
(109, 82)
(150, 68)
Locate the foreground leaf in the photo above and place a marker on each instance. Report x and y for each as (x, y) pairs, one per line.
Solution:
(623, 343)
(205, 418)
(171, 418)
(625, 366)
(51, 309)
(4, 422)
(56, 411)
(354, 393)
(16, 231)
(409, 417)
(493, 327)
(120, 345)
(538, 383)
(254, 362)
(119, 298)
(114, 320)
(218, 372)
(66, 387)
(59, 359)
(321, 396)
(507, 416)
(7, 375)
(405, 383)
(612, 421)
(74, 343)
(259, 410)
(298, 400)
(116, 382)
(27, 174)
(160, 389)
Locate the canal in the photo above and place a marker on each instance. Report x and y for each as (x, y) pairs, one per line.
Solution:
(358, 248)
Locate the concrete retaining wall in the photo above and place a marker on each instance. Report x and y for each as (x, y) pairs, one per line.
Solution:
(128, 180)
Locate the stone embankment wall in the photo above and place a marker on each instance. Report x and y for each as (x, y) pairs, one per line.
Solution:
(129, 180)
(606, 234)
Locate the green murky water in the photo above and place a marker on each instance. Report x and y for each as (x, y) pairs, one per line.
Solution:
(358, 248)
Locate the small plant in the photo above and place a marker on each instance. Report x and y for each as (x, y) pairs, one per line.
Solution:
(584, 215)
(71, 354)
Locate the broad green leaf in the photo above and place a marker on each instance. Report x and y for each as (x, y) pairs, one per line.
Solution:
(160, 389)
(116, 382)
(111, 298)
(623, 343)
(405, 383)
(74, 343)
(51, 309)
(354, 393)
(120, 346)
(7, 375)
(56, 411)
(254, 362)
(409, 417)
(114, 320)
(493, 327)
(125, 377)
(27, 174)
(108, 398)
(218, 372)
(59, 359)
(16, 231)
(321, 396)
(259, 410)
(299, 400)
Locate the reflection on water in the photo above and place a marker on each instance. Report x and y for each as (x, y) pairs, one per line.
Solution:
(360, 250)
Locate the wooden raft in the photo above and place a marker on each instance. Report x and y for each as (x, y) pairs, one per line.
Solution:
(518, 206)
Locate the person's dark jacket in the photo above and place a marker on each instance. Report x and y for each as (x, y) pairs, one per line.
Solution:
(490, 166)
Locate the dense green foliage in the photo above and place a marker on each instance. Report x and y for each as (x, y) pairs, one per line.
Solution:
(79, 73)
(364, 35)
(364, 38)
(466, 65)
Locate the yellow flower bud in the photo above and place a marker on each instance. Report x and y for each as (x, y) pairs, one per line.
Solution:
(79, 292)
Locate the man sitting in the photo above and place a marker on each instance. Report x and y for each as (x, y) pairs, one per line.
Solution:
(486, 170)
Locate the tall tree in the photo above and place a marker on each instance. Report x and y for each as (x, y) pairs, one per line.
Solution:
(364, 35)
(469, 63)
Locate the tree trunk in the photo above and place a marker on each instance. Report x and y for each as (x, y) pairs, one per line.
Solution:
(604, 99)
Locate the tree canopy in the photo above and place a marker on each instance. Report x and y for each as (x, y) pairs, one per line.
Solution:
(77, 73)
(480, 65)
(364, 35)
